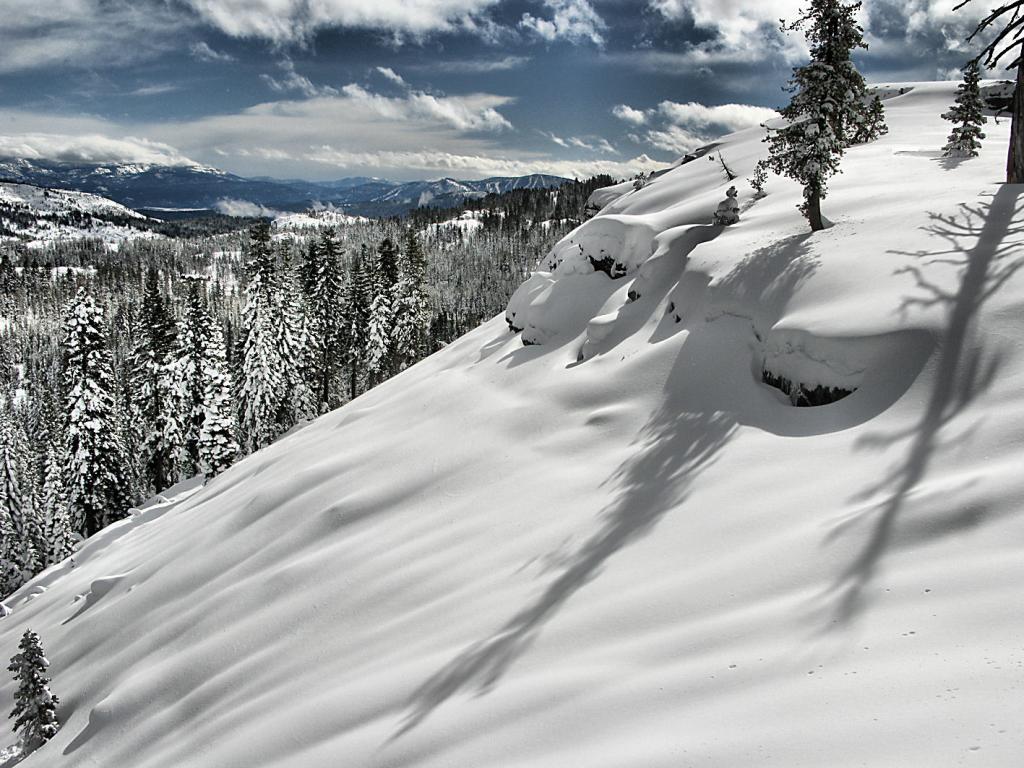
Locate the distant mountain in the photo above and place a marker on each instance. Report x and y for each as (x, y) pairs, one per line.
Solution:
(156, 187)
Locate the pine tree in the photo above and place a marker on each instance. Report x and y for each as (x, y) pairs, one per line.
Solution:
(358, 298)
(297, 401)
(189, 375)
(20, 532)
(96, 485)
(261, 389)
(966, 116)
(411, 316)
(35, 707)
(1008, 40)
(56, 525)
(218, 448)
(154, 408)
(871, 125)
(378, 339)
(827, 107)
(324, 292)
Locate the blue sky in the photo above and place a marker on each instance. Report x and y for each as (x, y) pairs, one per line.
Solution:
(404, 89)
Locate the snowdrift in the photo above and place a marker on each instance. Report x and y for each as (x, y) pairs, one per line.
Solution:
(600, 539)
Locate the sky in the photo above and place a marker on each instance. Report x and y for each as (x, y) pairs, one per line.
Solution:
(416, 89)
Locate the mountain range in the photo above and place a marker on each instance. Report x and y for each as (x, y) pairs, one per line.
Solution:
(170, 191)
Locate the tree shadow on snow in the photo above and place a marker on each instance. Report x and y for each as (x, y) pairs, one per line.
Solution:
(986, 242)
(672, 449)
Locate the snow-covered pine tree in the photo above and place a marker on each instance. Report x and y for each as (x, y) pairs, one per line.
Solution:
(60, 539)
(378, 339)
(358, 298)
(297, 401)
(218, 448)
(261, 385)
(411, 321)
(15, 557)
(189, 375)
(967, 116)
(35, 707)
(96, 485)
(324, 293)
(827, 105)
(153, 407)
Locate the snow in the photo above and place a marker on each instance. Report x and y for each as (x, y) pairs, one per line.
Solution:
(615, 547)
(315, 219)
(54, 209)
(467, 222)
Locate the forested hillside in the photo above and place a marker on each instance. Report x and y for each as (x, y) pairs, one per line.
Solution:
(125, 370)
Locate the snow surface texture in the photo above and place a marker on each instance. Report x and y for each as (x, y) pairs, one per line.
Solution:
(508, 557)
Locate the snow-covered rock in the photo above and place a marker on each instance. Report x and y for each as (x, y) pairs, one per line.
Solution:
(617, 547)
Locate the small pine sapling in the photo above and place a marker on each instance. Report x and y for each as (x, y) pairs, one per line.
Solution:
(759, 180)
(871, 124)
(35, 708)
(966, 116)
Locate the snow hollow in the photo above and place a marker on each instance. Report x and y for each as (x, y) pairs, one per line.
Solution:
(600, 539)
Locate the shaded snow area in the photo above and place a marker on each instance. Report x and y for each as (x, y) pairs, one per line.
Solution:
(614, 546)
(38, 217)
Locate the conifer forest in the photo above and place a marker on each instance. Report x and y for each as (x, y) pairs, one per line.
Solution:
(127, 371)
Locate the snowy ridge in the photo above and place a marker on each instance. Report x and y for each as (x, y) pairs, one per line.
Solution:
(614, 546)
(39, 216)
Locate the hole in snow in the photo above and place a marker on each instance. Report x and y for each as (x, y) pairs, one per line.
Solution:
(803, 396)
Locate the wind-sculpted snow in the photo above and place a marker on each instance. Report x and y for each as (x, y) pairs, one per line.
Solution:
(597, 538)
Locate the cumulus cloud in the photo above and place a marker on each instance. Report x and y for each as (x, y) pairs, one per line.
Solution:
(285, 21)
(681, 128)
(90, 148)
(627, 114)
(731, 117)
(573, 20)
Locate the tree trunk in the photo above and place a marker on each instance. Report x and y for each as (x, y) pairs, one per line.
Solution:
(1015, 157)
(814, 209)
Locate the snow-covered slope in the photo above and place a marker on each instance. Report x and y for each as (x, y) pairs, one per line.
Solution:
(616, 547)
(315, 219)
(38, 216)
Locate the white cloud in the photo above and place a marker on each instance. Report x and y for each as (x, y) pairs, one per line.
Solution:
(231, 207)
(731, 117)
(477, 66)
(573, 20)
(155, 90)
(593, 144)
(291, 80)
(628, 114)
(464, 113)
(83, 33)
(292, 20)
(90, 148)
(478, 165)
(682, 128)
(393, 76)
(203, 52)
